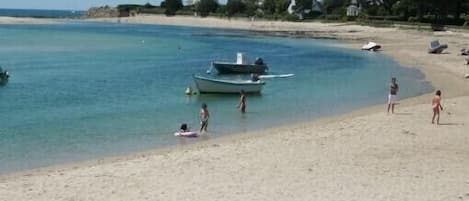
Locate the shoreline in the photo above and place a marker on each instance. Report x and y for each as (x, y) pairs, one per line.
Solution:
(440, 70)
(205, 141)
(4, 20)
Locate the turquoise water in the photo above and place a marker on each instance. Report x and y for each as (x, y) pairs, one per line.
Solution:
(82, 91)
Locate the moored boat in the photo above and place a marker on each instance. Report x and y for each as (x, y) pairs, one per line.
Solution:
(210, 85)
(241, 66)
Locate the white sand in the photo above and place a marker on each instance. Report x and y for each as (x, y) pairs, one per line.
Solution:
(365, 155)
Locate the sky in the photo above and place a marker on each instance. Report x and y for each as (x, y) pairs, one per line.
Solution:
(68, 4)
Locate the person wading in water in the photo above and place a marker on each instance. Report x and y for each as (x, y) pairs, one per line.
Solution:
(242, 102)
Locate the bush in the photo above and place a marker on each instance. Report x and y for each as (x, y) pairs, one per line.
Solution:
(381, 11)
(350, 18)
(412, 19)
(393, 18)
(290, 17)
(339, 11)
(152, 11)
(332, 17)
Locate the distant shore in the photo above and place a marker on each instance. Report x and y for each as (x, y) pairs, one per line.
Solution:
(363, 155)
(29, 20)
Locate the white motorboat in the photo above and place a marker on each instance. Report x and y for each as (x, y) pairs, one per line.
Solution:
(210, 85)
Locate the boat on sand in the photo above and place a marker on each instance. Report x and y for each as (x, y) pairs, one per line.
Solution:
(371, 46)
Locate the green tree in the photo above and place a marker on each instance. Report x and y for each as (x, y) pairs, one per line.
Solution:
(388, 4)
(269, 6)
(148, 5)
(205, 7)
(234, 6)
(332, 6)
(458, 9)
(250, 7)
(281, 6)
(172, 6)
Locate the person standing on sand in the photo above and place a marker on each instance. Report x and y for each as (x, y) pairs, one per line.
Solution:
(392, 97)
(242, 102)
(436, 106)
(204, 116)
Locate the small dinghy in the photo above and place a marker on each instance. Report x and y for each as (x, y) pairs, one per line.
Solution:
(371, 46)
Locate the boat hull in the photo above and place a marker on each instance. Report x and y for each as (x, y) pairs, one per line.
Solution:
(207, 85)
(239, 68)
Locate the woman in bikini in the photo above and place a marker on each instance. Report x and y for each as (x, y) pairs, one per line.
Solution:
(436, 106)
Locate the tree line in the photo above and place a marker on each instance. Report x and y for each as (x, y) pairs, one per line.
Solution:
(430, 11)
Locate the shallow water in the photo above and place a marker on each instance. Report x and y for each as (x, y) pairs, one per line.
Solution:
(81, 91)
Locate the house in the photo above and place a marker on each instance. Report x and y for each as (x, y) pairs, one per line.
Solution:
(353, 9)
(191, 2)
(316, 7)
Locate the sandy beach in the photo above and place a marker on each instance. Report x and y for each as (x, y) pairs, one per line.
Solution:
(364, 155)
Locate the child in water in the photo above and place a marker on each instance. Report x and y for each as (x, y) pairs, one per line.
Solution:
(436, 106)
(183, 128)
(204, 116)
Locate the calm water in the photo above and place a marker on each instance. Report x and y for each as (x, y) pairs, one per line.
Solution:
(41, 13)
(83, 91)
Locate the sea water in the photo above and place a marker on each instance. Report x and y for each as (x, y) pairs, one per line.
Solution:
(41, 13)
(81, 91)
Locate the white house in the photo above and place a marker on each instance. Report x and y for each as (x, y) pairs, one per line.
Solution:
(315, 7)
(191, 2)
(353, 9)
